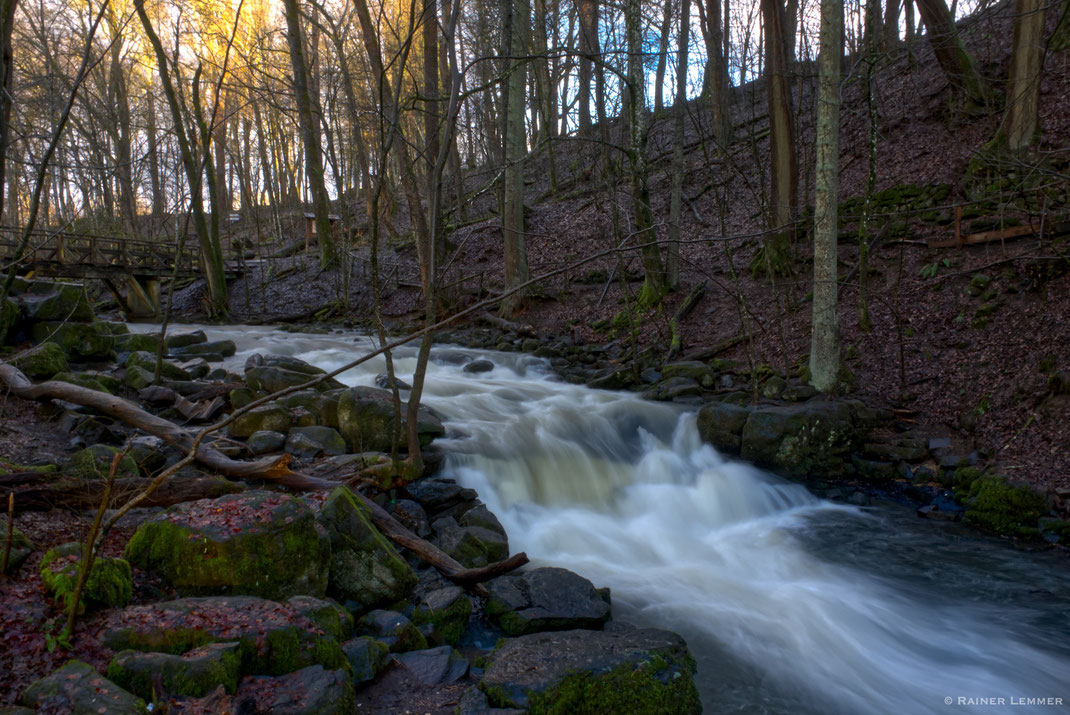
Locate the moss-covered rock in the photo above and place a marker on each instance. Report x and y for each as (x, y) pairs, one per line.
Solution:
(109, 584)
(720, 425)
(367, 657)
(138, 342)
(270, 417)
(21, 547)
(78, 689)
(90, 379)
(994, 504)
(80, 341)
(587, 672)
(42, 361)
(394, 629)
(196, 673)
(312, 441)
(545, 599)
(147, 361)
(448, 610)
(222, 348)
(267, 378)
(366, 570)
(328, 615)
(181, 340)
(242, 396)
(366, 420)
(309, 691)
(9, 318)
(257, 543)
(46, 300)
(272, 637)
(95, 462)
(138, 378)
(802, 439)
(470, 545)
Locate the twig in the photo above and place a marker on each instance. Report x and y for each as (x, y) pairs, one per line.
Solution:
(10, 531)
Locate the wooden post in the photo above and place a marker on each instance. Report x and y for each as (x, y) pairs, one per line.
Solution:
(958, 225)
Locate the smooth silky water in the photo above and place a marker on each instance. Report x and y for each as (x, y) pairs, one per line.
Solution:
(790, 604)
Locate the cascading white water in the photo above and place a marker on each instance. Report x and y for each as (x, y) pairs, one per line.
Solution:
(753, 571)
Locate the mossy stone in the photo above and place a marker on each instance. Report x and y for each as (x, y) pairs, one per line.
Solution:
(998, 506)
(90, 380)
(270, 417)
(109, 583)
(448, 610)
(366, 570)
(194, 674)
(78, 689)
(147, 361)
(80, 341)
(257, 543)
(57, 302)
(95, 462)
(42, 361)
(138, 342)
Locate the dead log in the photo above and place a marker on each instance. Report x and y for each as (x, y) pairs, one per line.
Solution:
(508, 325)
(703, 354)
(76, 494)
(192, 410)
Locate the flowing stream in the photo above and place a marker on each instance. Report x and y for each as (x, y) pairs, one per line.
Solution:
(790, 604)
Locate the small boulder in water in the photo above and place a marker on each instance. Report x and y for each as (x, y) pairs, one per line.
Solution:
(477, 366)
(546, 599)
(383, 381)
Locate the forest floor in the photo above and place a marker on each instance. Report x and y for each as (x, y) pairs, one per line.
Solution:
(967, 338)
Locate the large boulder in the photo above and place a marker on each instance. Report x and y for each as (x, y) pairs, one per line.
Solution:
(637, 671)
(256, 543)
(470, 545)
(109, 583)
(224, 348)
(78, 689)
(366, 420)
(269, 379)
(182, 340)
(61, 302)
(80, 341)
(367, 657)
(138, 342)
(42, 361)
(95, 463)
(272, 637)
(720, 424)
(309, 691)
(546, 599)
(270, 417)
(147, 361)
(195, 673)
(811, 438)
(312, 441)
(447, 609)
(365, 569)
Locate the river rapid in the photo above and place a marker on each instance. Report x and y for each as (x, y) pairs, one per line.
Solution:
(791, 604)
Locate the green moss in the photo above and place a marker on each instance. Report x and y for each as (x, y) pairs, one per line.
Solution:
(995, 505)
(43, 361)
(194, 674)
(109, 582)
(652, 687)
(89, 381)
(450, 622)
(95, 463)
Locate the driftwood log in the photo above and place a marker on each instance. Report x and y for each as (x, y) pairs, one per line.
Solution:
(274, 470)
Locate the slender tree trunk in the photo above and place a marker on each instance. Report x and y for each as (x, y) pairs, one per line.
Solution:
(515, 15)
(152, 132)
(825, 336)
(588, 16)
(124, 156)
(951, 55)
(783, 168)
(672, 262)
(7, 84)
(716, 79)
(891, 23)
(663, 55)
(310, 131)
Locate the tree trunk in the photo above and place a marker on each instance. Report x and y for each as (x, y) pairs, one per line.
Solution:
(309, 121)
(825, 335)
(663, 56)
(1020, 121)
(516, 15)
(152, 132)
(716, 78)
(588, 16)
(951, 55)
(7, 85)
(672, 263)
(783, 168)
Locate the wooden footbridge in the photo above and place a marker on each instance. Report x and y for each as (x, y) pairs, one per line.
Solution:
(135, 264)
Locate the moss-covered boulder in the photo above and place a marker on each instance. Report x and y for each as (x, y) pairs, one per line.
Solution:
(147, 361)
(392, 628)
(272, 637)
(21, 547)
(80, 341)
(45, 300)
(109, 584)
(89, 379)
(546, 599)
(138, 377)
(95, 462)
(270, 417)
(587, 672)
(470, 545)
(138, 342)
(367, 657)
(720, 425)
(309, 691)
(181, 340)
(811, 438)
(79, 690)
(366, 420)
(326, 614)
(256, 543)
(996, 505)
(267, 378)
(207, 350)
(366, 570)
(42, 361)
(447, 609)
(312, 441)
(195, 673)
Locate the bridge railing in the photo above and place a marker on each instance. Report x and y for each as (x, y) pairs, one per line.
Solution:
(78, 249)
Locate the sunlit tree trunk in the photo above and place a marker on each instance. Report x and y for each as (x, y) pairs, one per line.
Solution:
(1020, 122)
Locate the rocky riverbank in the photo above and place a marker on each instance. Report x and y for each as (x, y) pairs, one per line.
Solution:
(253, 599)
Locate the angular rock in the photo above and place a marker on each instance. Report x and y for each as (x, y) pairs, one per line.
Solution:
(270, 379)
(195, 673)
(413, 517)
(470, 545)
(366, 420)
(42, 361)
(270, 417)
(256, 543)
(182, 340)
(700, 372)
(433, 666)
(309, 691)
(545, 599)
(46, 300)
(138, 377)
(312, 441)
(394, 629)
(264, 441)
(109, 584)
(90, 379)
(365, 569)
(436, 494)
(328, 615)
(135, 342)
(673, 388)
(272, 637)
(720, 424)
(80, 341)
(383, 380)
(448, 610)
(78, 689)
(801, 439)
(367, 657)
(226, 348)
(147, 361)
(638, 671)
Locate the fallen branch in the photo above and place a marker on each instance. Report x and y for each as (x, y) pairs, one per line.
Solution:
(49, 491)
(703, 354)
(682, 312)
(508, 325)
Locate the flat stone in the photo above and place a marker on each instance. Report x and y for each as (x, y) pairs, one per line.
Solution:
(309, 691)
(194, 674)
(433, 666)
(545, 599)
(77, 688)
